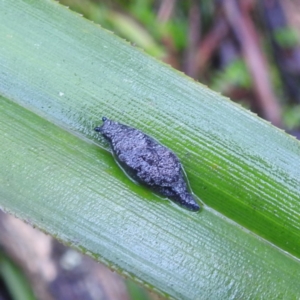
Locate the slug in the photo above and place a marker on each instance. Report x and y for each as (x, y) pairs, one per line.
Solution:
(148, 162)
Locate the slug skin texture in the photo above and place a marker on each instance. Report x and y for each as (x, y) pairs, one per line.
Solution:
(148, 162)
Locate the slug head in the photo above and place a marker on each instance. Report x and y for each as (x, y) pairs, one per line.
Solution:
(108, 128)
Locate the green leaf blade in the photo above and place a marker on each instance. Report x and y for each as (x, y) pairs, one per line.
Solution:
(199, 255)
(71, 73)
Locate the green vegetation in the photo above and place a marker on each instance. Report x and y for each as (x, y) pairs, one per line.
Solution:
(59, 75)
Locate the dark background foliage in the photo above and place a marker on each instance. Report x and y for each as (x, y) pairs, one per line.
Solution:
(246, 49)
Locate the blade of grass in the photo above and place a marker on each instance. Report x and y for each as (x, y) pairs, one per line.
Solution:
(73, 190)
(71, 72)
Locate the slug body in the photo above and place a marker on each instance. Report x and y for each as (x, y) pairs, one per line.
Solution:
(148, 162)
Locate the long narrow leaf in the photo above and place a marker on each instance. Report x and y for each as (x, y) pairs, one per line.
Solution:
(59, 74)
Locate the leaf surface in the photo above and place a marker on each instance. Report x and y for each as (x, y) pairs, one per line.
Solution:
(59, 74)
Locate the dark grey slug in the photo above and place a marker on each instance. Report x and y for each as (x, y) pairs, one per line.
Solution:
(148, 162)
